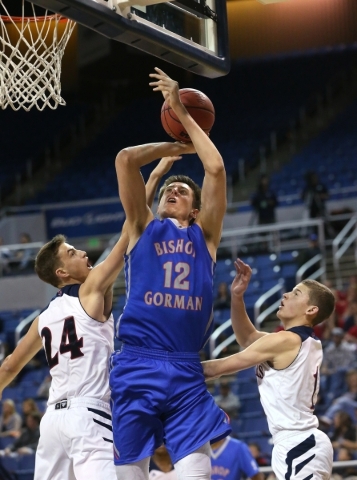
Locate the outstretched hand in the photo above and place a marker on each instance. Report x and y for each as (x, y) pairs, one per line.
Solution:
(210, 369)
(242, 278)
(168, 87)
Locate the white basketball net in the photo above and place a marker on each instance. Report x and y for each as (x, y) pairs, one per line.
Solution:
(30, 66)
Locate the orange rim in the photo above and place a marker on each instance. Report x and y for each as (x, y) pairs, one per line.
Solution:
(7, 19)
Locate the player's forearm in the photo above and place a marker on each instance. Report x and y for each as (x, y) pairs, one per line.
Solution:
(223, 366)
(241, 324)
(151, 187)
(8, 372)
(205, 148)
(140, 155)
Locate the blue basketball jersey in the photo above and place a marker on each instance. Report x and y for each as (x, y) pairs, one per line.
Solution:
(232, 460)
(169, 287)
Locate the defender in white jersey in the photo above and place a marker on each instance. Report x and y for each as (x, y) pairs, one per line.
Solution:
(288, 372)
(76, 331)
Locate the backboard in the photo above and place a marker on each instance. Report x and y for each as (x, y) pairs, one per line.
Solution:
(192, 34)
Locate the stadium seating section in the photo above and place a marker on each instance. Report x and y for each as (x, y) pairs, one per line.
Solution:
(257, 98)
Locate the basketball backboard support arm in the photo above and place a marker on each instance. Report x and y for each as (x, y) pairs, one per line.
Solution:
(127, 25)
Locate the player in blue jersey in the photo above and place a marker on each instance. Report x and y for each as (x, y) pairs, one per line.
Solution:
(231, 459)
(288, 371)
(158, 388)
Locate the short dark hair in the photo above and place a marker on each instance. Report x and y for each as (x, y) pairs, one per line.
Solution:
(47, 260)
(184, 179)
(37, 416)
(322, 297)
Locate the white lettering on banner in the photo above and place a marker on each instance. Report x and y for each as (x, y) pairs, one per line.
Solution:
(66, 222)
(87, 219)
(92, 219)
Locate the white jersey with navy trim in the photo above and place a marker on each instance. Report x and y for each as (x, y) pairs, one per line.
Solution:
(289, 395)
(77, 348)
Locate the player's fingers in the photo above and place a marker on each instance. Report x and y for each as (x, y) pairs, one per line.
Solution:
(237, 265)
(243, 266)
(161, 72)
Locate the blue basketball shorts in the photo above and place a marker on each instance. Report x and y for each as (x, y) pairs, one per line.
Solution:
(161, 397)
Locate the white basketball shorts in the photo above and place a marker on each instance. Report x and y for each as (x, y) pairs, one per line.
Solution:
(303, 456)
(76, 442)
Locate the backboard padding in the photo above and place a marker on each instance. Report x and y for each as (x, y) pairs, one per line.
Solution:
(149, 38)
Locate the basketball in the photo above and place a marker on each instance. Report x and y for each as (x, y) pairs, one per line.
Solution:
(198, 105)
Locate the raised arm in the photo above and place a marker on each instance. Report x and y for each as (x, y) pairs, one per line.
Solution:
(244, 330)
(23, 353)
(214, 198)
(156, 175)
(131, 185)
(96, 293)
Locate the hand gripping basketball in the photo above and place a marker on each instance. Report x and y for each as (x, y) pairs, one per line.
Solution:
(198, 105)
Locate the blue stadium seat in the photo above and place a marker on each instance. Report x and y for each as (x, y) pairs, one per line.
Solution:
(26, 462)
(256, 422)
(289, 83)
(249, 405)
(247, 388)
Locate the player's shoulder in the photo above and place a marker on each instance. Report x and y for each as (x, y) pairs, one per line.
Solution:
(285, 338)
(304, 332)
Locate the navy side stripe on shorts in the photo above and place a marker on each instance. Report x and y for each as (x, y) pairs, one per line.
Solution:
(100, 413)
(296, 452)
(103, 424)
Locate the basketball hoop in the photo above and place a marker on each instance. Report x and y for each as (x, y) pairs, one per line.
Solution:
(31, 51)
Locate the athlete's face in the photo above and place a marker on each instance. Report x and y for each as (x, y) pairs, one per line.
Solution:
(75, 263)
(176, 202)
(295, 305)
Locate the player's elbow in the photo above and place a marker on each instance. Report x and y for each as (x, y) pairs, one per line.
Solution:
(8, 367)
(216, 168)
(122, 159)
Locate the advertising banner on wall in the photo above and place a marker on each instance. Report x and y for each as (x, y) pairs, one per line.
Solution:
(85, 220)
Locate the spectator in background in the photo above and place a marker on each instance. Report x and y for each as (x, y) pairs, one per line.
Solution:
(346, 473)
(351, 336)
(314, 195)
(256, 452)
(28, 440)
(264, 202)
(340, 303)
(346, 402)
(4, 258)
(223, 298)
(10, 420)
(351, 319)
(227, 400)
(307, 254)
(343, 433)
(29, 406)
(338, 354)
(24, 257)
(44, 389)
(234, 458)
